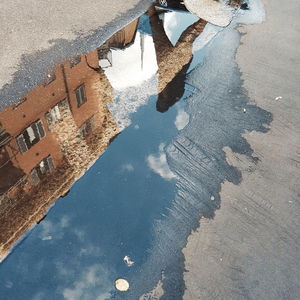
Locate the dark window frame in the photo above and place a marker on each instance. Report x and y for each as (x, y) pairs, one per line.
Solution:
(87, 127)
(51, 115)
(50, 78)
(38, 172)
(25, 141)
(80, 94)
(75, 61)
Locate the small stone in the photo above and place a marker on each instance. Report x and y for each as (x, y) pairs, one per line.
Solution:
(121, 284)
(212, 198)
(278, 98)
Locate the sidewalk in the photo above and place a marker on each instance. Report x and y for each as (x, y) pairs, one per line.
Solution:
(35, 35)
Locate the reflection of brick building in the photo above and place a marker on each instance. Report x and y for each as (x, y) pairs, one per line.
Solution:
(48, 139)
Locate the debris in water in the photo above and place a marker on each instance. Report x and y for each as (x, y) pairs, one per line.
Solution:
(244, 110)
(212, 198)
(122, 285)
(278, 98)
(128, 261)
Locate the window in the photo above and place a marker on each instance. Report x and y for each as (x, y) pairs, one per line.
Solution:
(87, 127)
(18, 102)
(44, 167)
(5, 137)
(75, 61)
(105, 57)
(31, 136)
(80, 95)
(50, 77)
(35, 177)
(55, 114)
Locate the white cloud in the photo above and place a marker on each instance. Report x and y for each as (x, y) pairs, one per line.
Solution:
(63, 270)
(127, 167)
(104, 296)
(158, 163)
(93, 284)
(133, 65)
(182, 119)
(49, 230)
(89, 250)
(47, 238)
(8, 284)
(46, 228)
(39, 296)
(133, 77)
(80, 234)
(129, 100)
(64, 221)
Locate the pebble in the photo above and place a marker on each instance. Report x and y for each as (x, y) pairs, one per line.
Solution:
(122, 285)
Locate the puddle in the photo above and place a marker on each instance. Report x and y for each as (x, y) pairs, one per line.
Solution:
(53, 134)
(100, 135)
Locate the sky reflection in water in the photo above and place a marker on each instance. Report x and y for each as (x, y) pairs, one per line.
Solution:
(77, 251)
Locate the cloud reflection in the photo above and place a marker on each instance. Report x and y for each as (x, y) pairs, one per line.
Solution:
(92, 284)
(158, 163)
(133, 65)
(49, 230)
(182, 119)
(127, 167)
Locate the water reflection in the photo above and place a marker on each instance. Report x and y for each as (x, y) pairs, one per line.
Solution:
(173, 61)
(158, 163)
(50, 137)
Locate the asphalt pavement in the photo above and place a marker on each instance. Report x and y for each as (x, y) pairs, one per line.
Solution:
(250, 249)
(35, 35)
